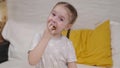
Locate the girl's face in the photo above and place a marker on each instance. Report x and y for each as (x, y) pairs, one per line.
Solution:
(59, 19)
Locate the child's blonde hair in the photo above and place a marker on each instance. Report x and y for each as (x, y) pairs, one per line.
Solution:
(71, 9)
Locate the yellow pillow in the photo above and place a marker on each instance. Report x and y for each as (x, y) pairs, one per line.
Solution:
(79, 39)
(93, 46)
(98, 51)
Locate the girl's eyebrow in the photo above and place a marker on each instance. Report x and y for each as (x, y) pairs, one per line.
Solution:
(53, 11)
(60, 15)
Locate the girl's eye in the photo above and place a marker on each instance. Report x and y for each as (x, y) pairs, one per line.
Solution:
(53, 14)
(61, 19)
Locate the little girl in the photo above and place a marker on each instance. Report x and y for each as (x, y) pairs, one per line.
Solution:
(50, 49)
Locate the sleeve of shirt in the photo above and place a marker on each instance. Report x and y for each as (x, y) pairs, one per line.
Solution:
(35, 41)
(71, 56)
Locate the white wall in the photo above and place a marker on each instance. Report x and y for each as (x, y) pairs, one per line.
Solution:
(90, 11)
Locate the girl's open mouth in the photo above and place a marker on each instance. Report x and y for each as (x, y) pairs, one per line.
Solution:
(53, 28)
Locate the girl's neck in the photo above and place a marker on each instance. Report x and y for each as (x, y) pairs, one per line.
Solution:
(57, 35)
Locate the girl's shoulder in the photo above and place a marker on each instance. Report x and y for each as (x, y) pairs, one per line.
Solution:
(68, 41)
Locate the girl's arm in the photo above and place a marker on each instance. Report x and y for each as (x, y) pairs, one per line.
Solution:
(72, 65)
(35, 55)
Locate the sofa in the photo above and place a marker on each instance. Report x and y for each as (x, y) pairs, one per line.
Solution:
(20, 36)
(20, 29)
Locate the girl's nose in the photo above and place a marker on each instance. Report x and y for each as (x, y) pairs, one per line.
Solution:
(54, 19)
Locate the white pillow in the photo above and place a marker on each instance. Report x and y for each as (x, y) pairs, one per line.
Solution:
(20, 35)
(115, 43)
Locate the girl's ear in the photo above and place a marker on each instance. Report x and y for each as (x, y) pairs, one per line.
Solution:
(68, 26)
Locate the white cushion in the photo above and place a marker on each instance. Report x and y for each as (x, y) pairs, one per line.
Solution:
(115, 43)
(15, 63)
(20, 36)
(115, 36)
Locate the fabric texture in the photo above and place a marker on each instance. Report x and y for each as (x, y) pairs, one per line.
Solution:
(99, 46)
(93, 47)
(58, 52)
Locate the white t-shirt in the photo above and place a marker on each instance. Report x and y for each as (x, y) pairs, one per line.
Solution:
(57, 53)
